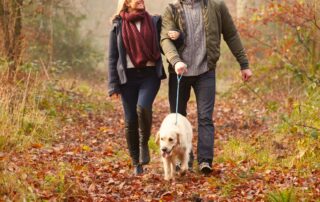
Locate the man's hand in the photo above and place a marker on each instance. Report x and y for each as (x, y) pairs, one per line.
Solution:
(180, 68)
(246, 74)
(174, 35)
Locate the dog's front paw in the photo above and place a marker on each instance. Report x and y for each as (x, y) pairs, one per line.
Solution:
(167, 178)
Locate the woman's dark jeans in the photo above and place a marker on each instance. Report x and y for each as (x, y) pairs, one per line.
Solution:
(204, 87)
(140, 90)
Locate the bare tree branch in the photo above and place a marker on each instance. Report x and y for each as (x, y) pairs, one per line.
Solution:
(303, 43)
(306, 126)
(286, 60)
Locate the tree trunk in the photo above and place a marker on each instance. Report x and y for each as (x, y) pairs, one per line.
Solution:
(11, 25)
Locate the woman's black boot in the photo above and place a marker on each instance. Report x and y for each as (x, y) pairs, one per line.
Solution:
(132, 136)
(145, 121)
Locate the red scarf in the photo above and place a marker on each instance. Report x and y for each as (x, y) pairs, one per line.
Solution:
(140, 46)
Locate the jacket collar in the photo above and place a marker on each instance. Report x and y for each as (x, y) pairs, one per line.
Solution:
(204, 1)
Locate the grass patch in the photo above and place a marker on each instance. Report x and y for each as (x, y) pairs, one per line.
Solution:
(13, 185)
(240, 149)
(22, 123)
(58, 181)
(120, 154)
(153, 146)
(225, 186)
(226, 189)
(34, 111)
(14, 188)
(305, 157)
(237, 150)
(286, 195)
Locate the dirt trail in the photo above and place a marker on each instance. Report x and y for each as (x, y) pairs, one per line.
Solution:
(89, 162)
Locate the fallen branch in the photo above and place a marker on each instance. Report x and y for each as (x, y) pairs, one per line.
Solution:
(305, 126)
(255, 93)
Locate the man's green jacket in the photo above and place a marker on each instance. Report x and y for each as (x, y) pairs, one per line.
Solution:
(218, 21)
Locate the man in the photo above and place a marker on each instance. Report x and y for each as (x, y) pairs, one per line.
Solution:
(202, 22)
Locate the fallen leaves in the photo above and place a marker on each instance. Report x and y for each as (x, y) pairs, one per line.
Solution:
(107, 130)
(168, 196)
(86, 148)
(90, 162)
(108, 151)
(2, 156)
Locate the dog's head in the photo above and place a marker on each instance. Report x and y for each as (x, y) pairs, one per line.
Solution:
(168, 140)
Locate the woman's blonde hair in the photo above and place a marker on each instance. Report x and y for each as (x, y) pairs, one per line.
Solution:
(121, 7)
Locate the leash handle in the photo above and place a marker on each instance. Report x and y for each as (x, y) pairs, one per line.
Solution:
(179, 77)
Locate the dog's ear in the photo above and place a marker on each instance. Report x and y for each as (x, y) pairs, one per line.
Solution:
(178, 138)
(157, 140)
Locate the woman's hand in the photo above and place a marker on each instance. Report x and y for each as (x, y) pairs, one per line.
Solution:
(173, 35)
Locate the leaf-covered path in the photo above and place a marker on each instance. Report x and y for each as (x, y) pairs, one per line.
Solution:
(89, 161)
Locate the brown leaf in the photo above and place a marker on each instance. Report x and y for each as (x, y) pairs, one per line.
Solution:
(92, 187)
(121, 185)
(108, 151)
(70, 153)
(111, 181)
(2, 155)
(37, 145)
(167, 196)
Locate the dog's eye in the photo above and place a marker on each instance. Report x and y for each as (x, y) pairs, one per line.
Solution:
(170, 139)
(161, 139)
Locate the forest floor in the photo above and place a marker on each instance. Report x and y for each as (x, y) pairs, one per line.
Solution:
(88, 161)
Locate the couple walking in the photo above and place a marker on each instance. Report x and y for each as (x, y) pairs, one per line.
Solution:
(189, 35)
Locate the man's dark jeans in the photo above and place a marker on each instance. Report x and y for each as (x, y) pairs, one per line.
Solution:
(140, 90)
(204, 87)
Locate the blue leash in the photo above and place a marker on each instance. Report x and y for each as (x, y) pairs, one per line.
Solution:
(179, 77)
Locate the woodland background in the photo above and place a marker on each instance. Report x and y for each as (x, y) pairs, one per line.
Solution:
(61, 137)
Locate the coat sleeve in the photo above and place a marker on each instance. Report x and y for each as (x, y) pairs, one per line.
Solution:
(168, 47)
(113, 57)
(232, 38)
(178, 42)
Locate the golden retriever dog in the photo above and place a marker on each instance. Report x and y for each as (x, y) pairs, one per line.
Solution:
(175, 143)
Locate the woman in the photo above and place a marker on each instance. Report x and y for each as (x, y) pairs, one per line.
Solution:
(135, 71)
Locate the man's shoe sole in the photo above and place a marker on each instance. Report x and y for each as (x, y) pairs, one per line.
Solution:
(206, 170)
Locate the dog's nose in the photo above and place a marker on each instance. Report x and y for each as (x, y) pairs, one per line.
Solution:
(164, 149)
